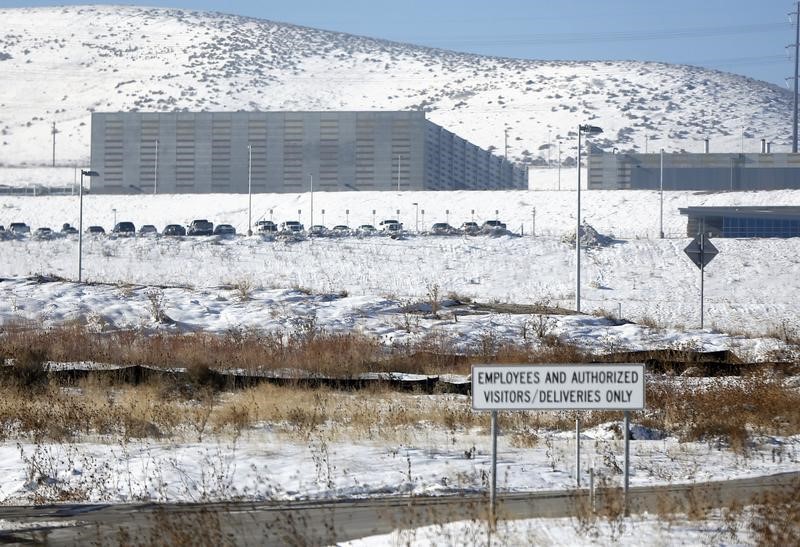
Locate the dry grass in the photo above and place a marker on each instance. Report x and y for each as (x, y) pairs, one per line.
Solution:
(308, 349)
(726, 413)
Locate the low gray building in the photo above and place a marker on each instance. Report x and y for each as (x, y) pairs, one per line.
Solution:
(683, 171)
(204, 152)
(743, 221)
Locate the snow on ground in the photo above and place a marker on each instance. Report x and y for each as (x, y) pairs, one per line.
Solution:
(750, 286)
(710, 530)
(264, 464)
(157, 60)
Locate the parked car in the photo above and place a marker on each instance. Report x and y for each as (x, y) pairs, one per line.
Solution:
(174, 230)
(124, 229)
(19, 228)
(148, 230)
(318, 230)
(224, 230)
(66, 229)
(493, 225)
(266, 227)
(366, 229)
(44, 231)
(470, 228)
(442, 228)
(340, 230)
(391, 226)
(292, 226)
(95, 230)
(200, 227)
(2, 228)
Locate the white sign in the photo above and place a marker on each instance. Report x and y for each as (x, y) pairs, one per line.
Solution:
(606, 386)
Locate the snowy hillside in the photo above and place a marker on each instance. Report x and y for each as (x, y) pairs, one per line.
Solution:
(61, 63)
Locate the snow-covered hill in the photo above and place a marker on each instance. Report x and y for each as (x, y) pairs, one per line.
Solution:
(59, 64)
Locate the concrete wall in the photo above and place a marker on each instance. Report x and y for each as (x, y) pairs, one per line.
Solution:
(201, 152)
(714, 172)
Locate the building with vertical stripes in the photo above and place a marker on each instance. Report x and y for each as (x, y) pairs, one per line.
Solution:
(229, 152)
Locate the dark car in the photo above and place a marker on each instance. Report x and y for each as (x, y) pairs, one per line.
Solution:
(2, 228)
(442, 228)
(95, 230)
(470, 228)
(43, 232)
(200, 227)
(341, 230)
(224, 230)
(148, 230)
(66, 229)
(19, 228)
(266, 227)
(493, 225)
(125, 229)
(174, 230)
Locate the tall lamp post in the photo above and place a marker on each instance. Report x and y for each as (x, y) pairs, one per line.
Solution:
(311, 222)
(661, 197)
(416, 216)
(249, 190)
(588, 130)
(80, 221)
(155, 172)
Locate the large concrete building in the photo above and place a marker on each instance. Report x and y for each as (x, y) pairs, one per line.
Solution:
(712, 172)
(202, 152)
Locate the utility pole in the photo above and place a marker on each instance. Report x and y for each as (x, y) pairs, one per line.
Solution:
(155, 172)
(54, 131)
(796, 52)
(559, 165)
(505, 141)
(398, 172)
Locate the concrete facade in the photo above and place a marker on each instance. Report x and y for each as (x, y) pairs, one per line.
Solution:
(713, 172)
(205, 152)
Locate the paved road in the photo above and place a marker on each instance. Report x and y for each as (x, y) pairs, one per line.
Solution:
(317, 523)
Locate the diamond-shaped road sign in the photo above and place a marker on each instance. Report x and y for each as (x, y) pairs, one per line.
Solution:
(701, 257)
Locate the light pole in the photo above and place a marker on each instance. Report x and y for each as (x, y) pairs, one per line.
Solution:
(416, 216)
(588, 130)
(80, 221)
(115, 216)
(311, 187)
(661, 197)
(398, 172)
(249, 190)
(559, 165)
(155, 172)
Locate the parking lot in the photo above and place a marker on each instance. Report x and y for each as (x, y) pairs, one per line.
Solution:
(266, 229)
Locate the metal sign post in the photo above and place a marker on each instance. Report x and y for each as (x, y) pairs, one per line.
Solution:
(493, 485)
(701, 251)
(578, 451)
(627, 433)
(618, 386)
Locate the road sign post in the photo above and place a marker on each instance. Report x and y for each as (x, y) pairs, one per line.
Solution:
(701, 251)
(618, 386)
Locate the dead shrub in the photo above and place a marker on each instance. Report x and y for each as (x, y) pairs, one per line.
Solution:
(29, 368)
(776, 517)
